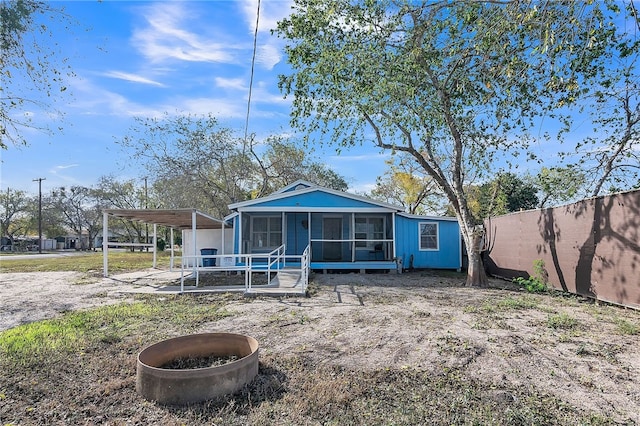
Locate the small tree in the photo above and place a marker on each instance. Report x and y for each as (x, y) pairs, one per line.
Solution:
(405, 184)
(14, 213)
(80, 212)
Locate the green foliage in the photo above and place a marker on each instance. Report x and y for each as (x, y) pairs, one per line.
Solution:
(627, 327)
(33, 77)
(562, 321)
(505, 193)
(74, 331)
(405, 184)
(538, 282)
(559, 184)
(161, 244)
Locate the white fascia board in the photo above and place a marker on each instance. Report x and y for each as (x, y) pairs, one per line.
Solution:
(317, 209)
(294, 184)
(420, 217)
(228, 217)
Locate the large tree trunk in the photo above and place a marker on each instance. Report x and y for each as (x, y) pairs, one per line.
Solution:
(476, 275)
(473, 239)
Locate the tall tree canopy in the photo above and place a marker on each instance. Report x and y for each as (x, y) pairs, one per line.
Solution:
(453, 84)
(195, 162)
(32, 77)
(404, 183)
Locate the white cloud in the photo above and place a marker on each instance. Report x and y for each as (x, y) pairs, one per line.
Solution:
(231, 83)
(270, 13)
(166, 36)
(362, 188)
(56, 168)
(269, 55)
(135, 78)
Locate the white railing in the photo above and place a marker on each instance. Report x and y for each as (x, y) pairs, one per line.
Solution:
(304, 268)
(247, 263)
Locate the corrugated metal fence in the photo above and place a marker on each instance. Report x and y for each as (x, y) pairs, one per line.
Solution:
(591, 248)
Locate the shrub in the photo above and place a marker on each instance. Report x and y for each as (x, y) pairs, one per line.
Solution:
(538, 282)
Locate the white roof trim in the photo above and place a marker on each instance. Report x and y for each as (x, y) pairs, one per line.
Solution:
(420, 217)
(280, 195)
(294, 184)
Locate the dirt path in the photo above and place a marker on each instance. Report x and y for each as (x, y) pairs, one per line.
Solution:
(33, 296)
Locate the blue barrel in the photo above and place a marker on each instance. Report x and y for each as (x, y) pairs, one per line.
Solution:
(208, 252)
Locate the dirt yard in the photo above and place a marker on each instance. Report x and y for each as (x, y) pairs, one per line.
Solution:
(583, 353)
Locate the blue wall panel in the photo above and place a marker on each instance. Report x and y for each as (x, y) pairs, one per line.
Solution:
(408, 244)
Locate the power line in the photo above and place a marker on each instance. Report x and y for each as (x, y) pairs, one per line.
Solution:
(253, 61)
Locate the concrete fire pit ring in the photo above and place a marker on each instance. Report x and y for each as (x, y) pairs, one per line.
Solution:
(184, 386)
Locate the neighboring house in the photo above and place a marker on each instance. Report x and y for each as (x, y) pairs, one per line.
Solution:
(344, 231)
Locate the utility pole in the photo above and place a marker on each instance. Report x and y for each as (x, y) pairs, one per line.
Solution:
(39, 212)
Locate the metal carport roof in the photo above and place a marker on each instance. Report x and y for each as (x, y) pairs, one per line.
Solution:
(180, 219)
(174, 218)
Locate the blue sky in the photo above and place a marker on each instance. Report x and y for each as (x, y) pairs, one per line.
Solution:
(142, 59)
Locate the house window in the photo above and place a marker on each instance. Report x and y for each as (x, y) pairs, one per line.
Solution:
(428, 235)
(266, 232)
(370, 228)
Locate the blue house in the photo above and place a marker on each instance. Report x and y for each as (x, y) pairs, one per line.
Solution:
(343, 231)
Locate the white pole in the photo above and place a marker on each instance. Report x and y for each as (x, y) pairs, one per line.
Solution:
(171, 248)
(194, 240)
(155, 244)
(222, 248)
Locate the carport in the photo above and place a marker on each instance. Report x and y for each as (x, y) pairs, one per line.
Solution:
(180, 219)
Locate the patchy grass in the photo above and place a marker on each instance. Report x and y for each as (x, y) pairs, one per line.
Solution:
(384, 355)
(76, 332)
(627, 327)
(80, 369)
(121, 261)
(562, 321)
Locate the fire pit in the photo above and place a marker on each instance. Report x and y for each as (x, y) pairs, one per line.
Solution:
(178, 386)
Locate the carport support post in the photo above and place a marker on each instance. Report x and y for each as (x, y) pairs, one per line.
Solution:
(195, 249)
(155, 243)
(105, 244)
(171, 248)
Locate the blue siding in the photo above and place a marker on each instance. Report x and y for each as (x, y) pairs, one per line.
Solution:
(408, 243)
(314, 200)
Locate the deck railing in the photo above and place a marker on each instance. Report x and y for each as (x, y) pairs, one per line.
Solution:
(275, 260)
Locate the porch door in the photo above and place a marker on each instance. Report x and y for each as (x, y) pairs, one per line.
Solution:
(331, 230)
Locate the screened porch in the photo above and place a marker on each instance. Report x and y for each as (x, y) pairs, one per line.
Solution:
(337, 240)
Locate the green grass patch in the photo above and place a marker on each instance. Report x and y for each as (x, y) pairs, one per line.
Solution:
(506, 304)
(626, 327)
(76, 331)
(561, 321)
(516, 303)
(120, 261)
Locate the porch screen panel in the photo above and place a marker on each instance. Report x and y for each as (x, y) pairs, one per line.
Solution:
(266, 232)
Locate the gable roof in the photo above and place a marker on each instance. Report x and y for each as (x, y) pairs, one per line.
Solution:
(300, 188)
(295, 186)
